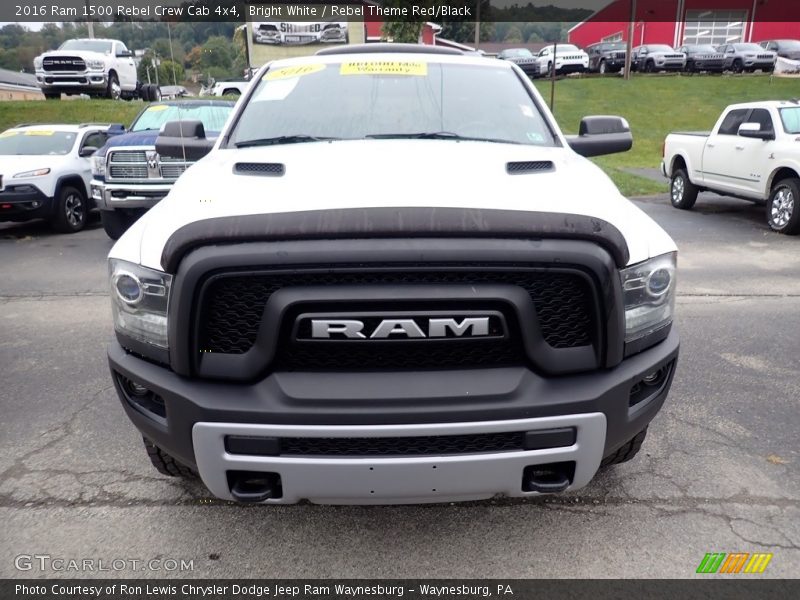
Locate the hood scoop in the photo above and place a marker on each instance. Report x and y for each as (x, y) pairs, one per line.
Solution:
(532, 166)
(260, 169)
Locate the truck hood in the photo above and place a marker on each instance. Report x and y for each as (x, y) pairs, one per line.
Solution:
(140, 138)
(85, 54)
(390, 173)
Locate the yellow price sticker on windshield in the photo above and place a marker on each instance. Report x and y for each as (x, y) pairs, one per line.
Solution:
(158, 108)
(385, 67)
(6, 134)
(291, 72)
(39, 132)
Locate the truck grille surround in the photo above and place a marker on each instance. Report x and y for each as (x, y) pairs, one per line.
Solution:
(133, 165)
(232, 308)
(63, 63)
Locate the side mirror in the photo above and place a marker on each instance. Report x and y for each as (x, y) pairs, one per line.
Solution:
(643, 51)
(599, 135)
(124, 54)
(179, 139)
(87, 151)
(753, 130)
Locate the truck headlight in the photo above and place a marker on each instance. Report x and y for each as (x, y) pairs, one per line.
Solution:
(648, 289)
(37, 62)
(139, 299)
(95, 64)
(98, 166)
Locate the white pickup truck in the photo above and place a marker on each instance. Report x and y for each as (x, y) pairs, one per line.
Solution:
(753, 153)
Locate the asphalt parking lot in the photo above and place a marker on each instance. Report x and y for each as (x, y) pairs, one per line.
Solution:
(720, 471)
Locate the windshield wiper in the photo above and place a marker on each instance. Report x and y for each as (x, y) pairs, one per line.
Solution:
(283, 139)
(436, 135)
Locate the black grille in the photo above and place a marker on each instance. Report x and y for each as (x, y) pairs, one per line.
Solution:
(536, 166)
(405, 446)
(233, 305)
(264, 169)
(64, 63)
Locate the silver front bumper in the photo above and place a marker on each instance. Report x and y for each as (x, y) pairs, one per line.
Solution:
(108, 196)
(398, 480)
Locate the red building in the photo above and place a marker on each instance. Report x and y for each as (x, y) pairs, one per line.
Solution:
(677, 22)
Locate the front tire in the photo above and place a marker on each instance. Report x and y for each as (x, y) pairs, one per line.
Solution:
(650, 67)
(626, 452)
(114, 90)
(165, 463)
(115, 222)
(682, 192)
(738, 66)
(71, 210)
(783, 212)
(55, 96)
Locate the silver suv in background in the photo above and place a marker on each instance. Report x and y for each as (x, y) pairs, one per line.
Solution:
(703, 57)
(748, 57)
(651, 58)
(784, 48)
(523, 58)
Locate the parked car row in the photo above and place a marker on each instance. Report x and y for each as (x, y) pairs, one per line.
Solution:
(609, 57)
(61, 172)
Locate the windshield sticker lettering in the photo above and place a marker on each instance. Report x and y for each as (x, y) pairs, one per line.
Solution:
(292, 72)
(39, 132)
(386, 67)
(158, 108)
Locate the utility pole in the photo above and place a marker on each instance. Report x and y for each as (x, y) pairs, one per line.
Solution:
(553, 79)
(89, 23)
(478, 23)
(629, 45)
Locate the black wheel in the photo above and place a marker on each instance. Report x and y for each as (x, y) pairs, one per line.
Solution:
(689, 68)
(783, 212)
(737, 66)
(114, 90)
(649, 67)
(142, 91)
(682, 192)
(55, 96)
(71, 210)
(165, 463)
(626, 452)
(603, 68)
(116, 222)
(155, 93)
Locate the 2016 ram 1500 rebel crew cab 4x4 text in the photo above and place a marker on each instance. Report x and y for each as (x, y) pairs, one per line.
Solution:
(753, 153)
(393, 280)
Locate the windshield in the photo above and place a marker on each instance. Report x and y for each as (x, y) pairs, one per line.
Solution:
(521, 52)
(789, 45)
(213, 117)
(36, 141)
(362, 99)
(748, 47)
(614, 46)
(87, 45)
(659, 48)
(791, 119)
(567, 48)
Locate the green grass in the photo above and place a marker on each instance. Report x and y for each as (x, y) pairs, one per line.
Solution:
(655, 106)
(67, 111)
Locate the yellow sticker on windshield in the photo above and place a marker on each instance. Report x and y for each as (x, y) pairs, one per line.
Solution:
(385, 67)
(290, 72)
(157, 108)
(6, 134)
(39, 132)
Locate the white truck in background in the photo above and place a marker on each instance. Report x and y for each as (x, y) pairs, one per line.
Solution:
(752, 153)
(96, 67)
